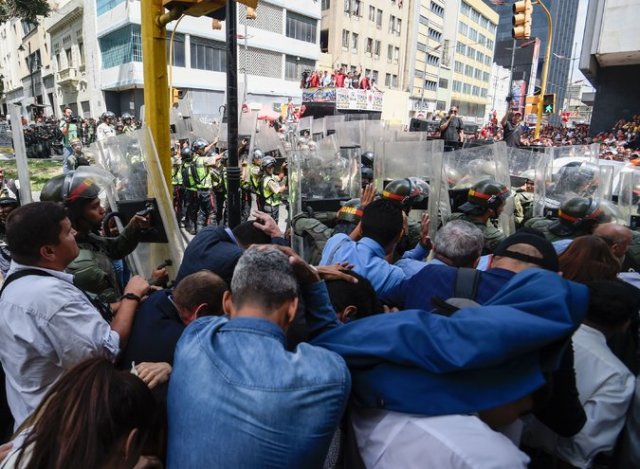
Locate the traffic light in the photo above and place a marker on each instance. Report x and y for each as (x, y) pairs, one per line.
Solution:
(176, 94)
(211, 8)
(251, 13)
(549, 103)
(531, 105)
(521, 21)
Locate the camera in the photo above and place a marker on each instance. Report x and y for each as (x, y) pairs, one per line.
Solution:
(72, 120)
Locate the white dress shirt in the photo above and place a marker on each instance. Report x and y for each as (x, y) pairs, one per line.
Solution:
(605, 387)
(47, 325)
(389, 440)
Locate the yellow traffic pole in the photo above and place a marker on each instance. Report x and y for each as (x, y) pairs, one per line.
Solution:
(156, 85)
(545, 69)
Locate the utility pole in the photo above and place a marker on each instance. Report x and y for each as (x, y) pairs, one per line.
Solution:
(545, 68)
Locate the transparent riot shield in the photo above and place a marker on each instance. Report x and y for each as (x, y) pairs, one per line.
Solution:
(402, 136)
(332, 123)
(203, 127)
(138, 186)
(318, 129)
(320, 180)
(247, 124)
(526, 164)
(372, 131)
(266, 139)
(464, 168)
(572, 171)
(180, 127)
(629, 196)
(305, 125)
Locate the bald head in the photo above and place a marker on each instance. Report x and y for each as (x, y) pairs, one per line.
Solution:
(516, 265)
(618, 237)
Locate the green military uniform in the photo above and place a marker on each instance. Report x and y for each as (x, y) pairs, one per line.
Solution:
(272, 198)
(492, 235)
(542, 224)
(522, 206)
(92, 270)
(315, 235)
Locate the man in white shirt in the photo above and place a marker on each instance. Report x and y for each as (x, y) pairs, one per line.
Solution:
(105, 129)
(605, 385)
(47, 325)
(388, 439)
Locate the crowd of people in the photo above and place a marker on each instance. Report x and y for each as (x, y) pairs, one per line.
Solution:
(339, 78)
(374, 347)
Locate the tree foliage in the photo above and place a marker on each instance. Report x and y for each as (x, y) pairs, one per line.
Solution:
(26, 10)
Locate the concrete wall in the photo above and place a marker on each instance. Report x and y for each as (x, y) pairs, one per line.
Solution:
(617, 97)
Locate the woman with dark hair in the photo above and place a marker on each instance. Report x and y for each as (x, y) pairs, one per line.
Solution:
(588, 258)
(94, 417)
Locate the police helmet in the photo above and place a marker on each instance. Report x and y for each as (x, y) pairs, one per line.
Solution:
(186, 154)
(126, 116)
(268, 162)
(7, 201)
(198, 145)
(367, 159)
(367, 173)
(108, 115)
(403, 190)
(257, 154)
(224, 157)
(485, 194)
(423, 186)
(350, 212)
(577, 176)
(578, 214)
(68, 188)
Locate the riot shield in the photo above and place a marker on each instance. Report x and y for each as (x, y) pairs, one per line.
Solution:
(138, 185)
(463, 168)
(333, 123)
(572, 171)
(321, 180)
(266, 139)
(526, 164)
(402, 136)
(629, 196)
(203, 127)
(372, 131)
(318, 129)
(180, 127)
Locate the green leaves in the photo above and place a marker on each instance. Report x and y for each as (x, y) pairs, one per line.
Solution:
(27, 10)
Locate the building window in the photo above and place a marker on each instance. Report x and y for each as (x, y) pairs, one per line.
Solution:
(326, 4)
(376, 49)
(178, 50)
(463, 28)
(374, 75)
(424, 20)
(294, 66)
(103, 6)
(69, 55)
(483, 92)
(432, 59)
(482, 39)
(473, 34)
(418, 73)
(398, 26)
(354, 43)
(392, 24)
(357, 8)
(207, 54)
(121, 46)
(301, 27)
(372, 13)
(458, 67)
(468, 70)
(347, 7)
(471, 52)
(465, 9)
(81, 54)
(477, 74)
(430, 85)
(485, 76)
(379, 18)
(457, 86)
(466, 88)
(389, 53)
(345, 39)
(479, 56)
(437, 9)
(476, 91)
(394, 81)
(461, 48)
(396, 54)
(421, 47)
(489, 44)
(369, 46)
(387, 80)
(487, 60)
(444, 83)
(435, 35)
(27, 27)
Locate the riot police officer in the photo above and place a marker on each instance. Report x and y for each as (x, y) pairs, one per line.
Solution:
(523, 201)
(408, 191)
(254, 176)
(202, 178)
(178, 186)
(127, 126)
(105, 129)
(271, 188)
(577, 216)
(485, 201)
(92, 270)
(189, 180)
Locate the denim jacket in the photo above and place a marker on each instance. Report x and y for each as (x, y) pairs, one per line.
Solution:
(239, 399)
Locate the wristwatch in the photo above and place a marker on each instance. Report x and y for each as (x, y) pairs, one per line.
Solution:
(130, 296)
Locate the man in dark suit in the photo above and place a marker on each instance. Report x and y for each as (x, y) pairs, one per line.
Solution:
(218, 248)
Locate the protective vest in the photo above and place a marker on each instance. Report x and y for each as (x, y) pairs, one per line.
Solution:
(188, 173)
(271, 198)
(201, 174)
